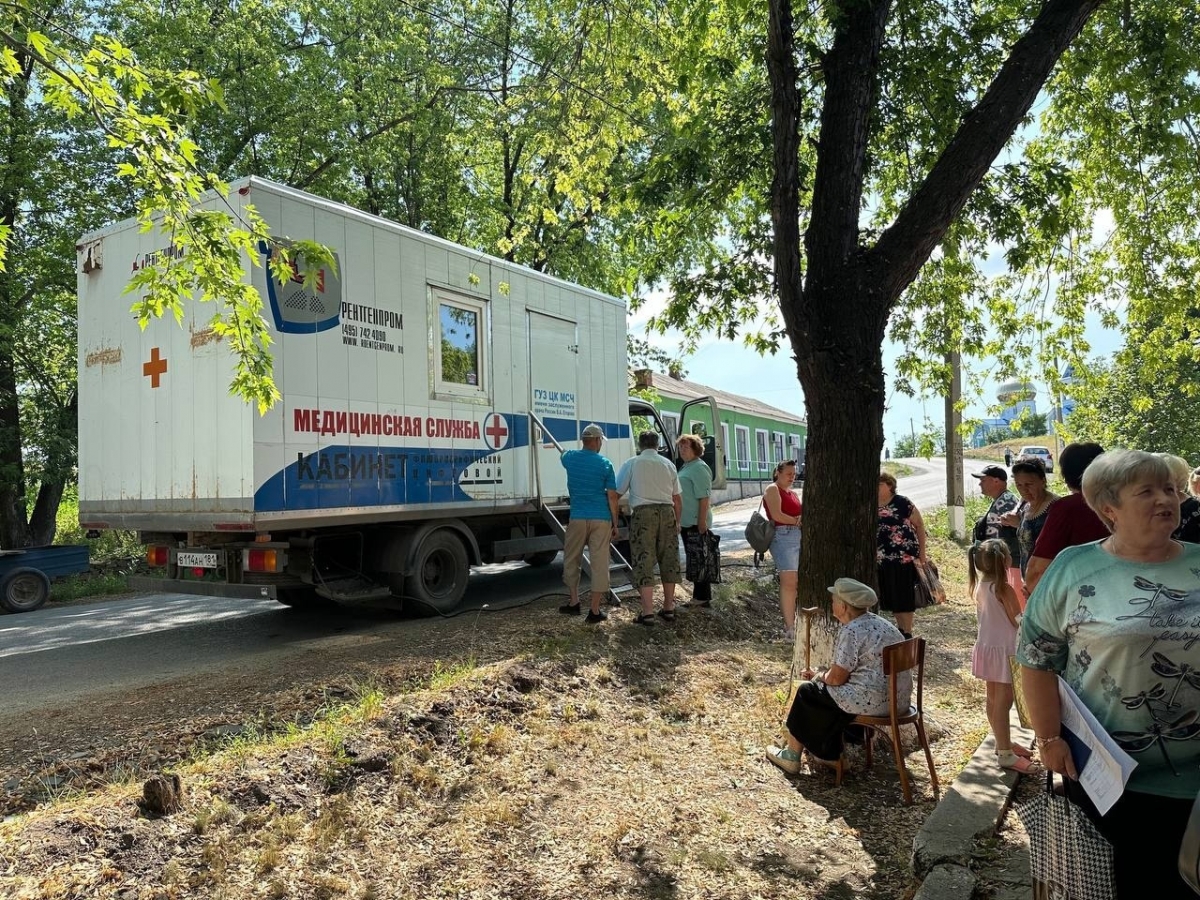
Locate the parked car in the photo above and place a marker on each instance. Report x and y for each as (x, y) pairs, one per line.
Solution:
(1042, 453)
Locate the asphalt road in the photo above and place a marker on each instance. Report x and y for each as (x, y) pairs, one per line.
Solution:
(927, 488)
(64, 654)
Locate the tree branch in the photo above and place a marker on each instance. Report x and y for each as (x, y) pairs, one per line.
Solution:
(907, 243)
(785, 133)
(851, 69)
(383, 129)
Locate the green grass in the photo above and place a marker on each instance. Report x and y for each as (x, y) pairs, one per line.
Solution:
(899, 470)
(79, 587)
(109, 547)
(446, 675)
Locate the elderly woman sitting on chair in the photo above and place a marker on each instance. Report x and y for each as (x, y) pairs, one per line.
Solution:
(854, 685)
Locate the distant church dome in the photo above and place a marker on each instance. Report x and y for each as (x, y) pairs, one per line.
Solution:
(1015, 391)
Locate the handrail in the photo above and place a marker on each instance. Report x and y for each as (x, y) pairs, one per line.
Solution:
(542, 425)
(533, 451)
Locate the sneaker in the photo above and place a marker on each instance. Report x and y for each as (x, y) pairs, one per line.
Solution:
(786, 759)
(594, 617)
(571, 609)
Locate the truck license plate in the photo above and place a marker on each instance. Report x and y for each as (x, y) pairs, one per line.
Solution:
(196, 560)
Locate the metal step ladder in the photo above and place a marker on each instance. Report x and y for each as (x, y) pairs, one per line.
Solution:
(620, 572)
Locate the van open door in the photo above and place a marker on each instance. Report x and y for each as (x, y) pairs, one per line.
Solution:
(701, 417)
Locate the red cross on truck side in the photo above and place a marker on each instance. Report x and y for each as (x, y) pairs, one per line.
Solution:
(496, 431)
(154, 368)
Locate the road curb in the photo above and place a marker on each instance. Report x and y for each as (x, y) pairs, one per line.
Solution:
(973, 807)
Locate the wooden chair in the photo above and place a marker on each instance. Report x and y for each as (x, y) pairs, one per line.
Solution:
(897, 659)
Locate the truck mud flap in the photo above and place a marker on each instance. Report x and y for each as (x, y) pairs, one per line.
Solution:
(203, 588)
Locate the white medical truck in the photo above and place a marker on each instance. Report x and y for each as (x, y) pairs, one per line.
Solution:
(426, 392)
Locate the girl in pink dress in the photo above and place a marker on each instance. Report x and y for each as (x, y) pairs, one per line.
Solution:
(998, 611)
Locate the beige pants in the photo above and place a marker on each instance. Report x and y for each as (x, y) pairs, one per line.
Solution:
(596, 534)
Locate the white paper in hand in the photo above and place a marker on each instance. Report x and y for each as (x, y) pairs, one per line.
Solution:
(1103, 767)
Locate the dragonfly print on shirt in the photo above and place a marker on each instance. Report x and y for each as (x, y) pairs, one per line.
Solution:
(1183, 672)
(1182, 729)
(1151, 699)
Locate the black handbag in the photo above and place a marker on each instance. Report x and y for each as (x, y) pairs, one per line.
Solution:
(1189, 849)
(702, 555)
(760, 531)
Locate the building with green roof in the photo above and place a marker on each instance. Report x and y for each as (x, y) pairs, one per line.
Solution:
(756, 436)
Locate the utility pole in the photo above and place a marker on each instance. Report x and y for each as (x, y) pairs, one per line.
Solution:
(913, 431)
(956, 504)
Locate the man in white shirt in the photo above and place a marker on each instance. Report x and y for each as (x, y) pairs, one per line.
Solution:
(656, 504)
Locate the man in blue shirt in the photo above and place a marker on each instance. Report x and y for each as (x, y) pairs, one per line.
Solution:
(592, 486)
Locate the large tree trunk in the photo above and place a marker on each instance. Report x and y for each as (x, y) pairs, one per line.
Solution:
(16, 168)
(844, 395)
(14, 530)
(836, 306)
(839, 350)
(836, 324)
(43, 523)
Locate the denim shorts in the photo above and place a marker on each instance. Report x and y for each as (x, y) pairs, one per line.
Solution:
(785, 549)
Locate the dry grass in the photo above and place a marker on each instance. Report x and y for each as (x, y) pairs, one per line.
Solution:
(622, 762)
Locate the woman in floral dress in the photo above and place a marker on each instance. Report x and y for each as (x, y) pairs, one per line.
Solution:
(901, 545)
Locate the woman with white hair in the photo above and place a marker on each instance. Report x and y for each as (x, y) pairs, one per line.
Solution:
(854, 685)
(1189, 506)
(1116, 620)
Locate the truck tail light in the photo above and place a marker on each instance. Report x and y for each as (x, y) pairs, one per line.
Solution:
(156, 557)
(263, 560)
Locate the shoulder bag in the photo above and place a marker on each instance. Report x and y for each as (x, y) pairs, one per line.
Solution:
(760, 530)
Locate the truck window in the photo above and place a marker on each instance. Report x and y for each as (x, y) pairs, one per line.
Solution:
(460, 366)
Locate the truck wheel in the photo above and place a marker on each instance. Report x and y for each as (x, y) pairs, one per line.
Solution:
(438, 578)
(542, 559)
(24, 590)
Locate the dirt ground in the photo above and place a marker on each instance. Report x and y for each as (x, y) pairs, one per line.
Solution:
(521, 755)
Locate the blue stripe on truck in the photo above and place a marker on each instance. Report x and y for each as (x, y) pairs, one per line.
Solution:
(341, 475)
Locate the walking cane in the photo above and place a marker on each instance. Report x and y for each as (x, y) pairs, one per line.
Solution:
(808, 614)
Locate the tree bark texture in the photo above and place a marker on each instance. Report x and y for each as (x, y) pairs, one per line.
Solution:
(17, 170)
(837, 303)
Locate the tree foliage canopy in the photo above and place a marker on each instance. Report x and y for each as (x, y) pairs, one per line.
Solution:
(1120, 403)
(630, 146)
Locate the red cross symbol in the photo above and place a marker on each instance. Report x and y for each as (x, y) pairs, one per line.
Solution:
(495, 435)
(154, 368)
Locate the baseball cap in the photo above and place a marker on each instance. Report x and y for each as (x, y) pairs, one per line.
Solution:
(593, 431)
(854, 593)
(991, 472)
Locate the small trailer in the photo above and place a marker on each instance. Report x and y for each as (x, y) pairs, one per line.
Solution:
(427, 390)
(25, 574)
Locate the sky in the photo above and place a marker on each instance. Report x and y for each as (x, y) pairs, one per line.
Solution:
(731, 366)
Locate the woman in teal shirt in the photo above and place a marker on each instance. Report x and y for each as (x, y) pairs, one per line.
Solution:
(695, 484)
(1118, 620)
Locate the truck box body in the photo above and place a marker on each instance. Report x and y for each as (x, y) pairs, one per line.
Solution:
(406, 376)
